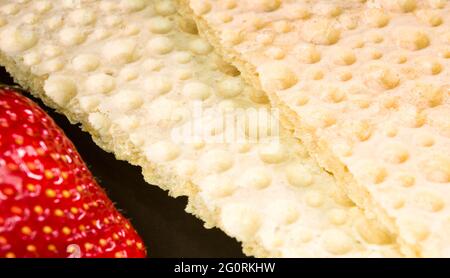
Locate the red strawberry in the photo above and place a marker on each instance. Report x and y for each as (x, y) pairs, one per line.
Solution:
(50, 204)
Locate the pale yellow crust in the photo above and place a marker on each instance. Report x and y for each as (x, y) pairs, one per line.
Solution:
(366, 86)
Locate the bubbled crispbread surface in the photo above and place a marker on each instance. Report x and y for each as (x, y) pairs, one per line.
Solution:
(132, 72)
(366, 84)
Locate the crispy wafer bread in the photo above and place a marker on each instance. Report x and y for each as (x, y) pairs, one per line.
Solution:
(134, 73)
(366, 85)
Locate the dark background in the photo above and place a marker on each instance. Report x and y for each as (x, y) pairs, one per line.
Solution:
(167, 230)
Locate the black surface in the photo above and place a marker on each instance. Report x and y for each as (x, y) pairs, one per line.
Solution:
(166, 229)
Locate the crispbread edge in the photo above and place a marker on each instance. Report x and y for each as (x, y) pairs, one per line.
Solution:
(121, 150)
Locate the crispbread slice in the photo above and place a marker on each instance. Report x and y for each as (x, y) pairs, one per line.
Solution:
(366, 85)
(132, 72)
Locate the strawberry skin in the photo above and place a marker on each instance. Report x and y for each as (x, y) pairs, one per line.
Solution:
(50, 204)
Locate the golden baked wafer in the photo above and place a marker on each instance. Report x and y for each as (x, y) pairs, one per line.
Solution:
(366, 85)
